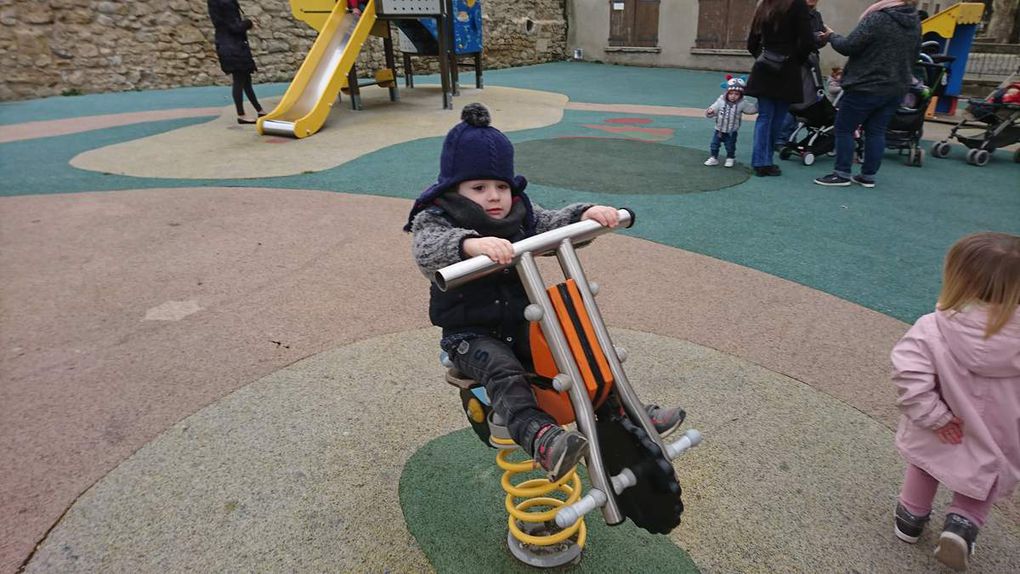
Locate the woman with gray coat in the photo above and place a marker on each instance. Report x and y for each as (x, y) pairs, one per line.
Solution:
(881, 53)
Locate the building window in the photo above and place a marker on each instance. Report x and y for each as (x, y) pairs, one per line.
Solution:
(724, 24)
(634, 23)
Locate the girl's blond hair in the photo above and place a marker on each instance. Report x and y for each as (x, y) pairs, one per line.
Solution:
(983, 268)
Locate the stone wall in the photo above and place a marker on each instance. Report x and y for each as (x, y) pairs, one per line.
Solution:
(51, 47)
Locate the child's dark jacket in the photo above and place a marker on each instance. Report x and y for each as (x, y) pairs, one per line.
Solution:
(493, 305)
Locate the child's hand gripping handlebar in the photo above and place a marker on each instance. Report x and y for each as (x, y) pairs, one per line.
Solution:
(470, 269)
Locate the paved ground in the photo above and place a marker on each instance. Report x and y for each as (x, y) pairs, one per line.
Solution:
(222, 367)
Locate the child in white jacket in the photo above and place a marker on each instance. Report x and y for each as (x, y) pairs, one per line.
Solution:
(727, 111)
(957, 372)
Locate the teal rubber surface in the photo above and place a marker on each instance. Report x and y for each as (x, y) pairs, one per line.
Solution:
(881, 248)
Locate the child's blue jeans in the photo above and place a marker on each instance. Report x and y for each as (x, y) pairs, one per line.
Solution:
(730, 140)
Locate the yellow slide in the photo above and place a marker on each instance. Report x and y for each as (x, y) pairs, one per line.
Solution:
(306, 105)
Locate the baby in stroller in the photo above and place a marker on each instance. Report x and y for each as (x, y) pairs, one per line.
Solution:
(993, 123)
(907, 125)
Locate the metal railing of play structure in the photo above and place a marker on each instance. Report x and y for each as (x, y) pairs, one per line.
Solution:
(981, 65)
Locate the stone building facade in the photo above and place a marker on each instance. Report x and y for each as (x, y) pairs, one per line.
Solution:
(52, 47)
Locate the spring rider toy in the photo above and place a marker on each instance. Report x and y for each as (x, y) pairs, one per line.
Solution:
(578, 377)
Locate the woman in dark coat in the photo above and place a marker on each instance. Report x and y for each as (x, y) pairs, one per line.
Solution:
(234, 53)
(783, 27)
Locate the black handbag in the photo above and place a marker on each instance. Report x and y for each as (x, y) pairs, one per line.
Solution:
(771, 61)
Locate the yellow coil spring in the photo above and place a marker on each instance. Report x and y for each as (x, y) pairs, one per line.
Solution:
(534, 493)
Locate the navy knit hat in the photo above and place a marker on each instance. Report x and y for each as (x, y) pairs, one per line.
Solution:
(473, 149)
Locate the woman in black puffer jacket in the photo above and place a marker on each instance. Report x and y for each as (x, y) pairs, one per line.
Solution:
(234, 53)
(783, 28)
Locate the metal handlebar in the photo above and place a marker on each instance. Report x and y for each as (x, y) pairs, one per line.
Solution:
(479, 266)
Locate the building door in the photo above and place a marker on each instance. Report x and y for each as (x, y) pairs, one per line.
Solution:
(634, 23)
(724, 24)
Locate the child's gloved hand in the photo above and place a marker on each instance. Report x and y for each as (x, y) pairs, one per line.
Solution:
(710, 113)
(952, 432)
(607, 216)
(496, 248)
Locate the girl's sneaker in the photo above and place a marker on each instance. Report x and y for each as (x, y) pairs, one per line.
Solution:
(729, 162)
(956, 543)
(909, 526)
(712, 161)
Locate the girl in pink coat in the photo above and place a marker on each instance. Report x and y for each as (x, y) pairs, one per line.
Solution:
(957, 372)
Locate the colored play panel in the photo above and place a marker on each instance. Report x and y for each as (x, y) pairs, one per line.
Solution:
(954, 29)
(945, 22)
(458, 473)
(639, 168)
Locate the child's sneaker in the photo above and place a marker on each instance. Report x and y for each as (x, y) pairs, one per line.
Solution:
(712, 161)
(557, 450)
(665, 420)
(957, 541)
(729, 162)
(909, 526)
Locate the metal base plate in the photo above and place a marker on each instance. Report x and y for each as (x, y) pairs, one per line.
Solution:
(543, 556)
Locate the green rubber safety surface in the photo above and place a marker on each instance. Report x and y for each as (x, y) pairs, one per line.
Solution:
(453, 504)
(638, 167)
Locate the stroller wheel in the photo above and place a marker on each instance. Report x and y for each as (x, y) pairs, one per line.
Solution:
(915, 157)
(808, 159)
(940, 149)
(1016, 156)
(970, 156)
(981, 157)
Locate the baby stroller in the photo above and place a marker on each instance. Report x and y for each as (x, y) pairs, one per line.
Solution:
(991, 124)
(906, 127)
(816, 119)
(815, 133)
